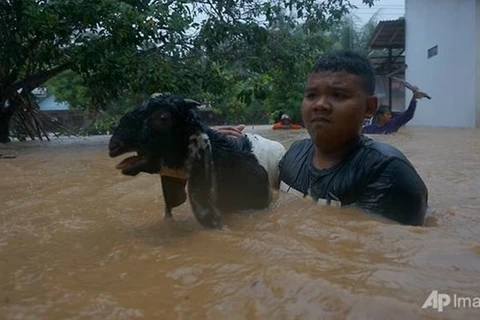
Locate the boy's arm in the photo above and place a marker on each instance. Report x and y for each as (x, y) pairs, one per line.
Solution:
(396, 192)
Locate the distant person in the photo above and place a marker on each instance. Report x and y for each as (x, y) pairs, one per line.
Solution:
(384, 123)
(285, 123)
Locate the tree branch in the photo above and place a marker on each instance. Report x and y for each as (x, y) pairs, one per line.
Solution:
(35, 80)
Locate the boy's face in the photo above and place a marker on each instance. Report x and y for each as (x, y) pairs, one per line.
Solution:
(334, 106)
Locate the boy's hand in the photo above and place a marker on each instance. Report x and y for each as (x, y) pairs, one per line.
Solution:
(235, 131)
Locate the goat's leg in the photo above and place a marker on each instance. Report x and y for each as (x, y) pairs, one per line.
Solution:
(204, 210)
(167, 213)
(174, 194)
(202, 191)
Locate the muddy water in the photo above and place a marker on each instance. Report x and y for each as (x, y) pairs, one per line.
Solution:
(80, 241)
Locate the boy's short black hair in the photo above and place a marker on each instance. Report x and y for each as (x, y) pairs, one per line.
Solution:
(351, 62)
(382, 109)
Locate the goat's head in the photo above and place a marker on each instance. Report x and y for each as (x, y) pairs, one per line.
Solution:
(143, 129)
(167, 114)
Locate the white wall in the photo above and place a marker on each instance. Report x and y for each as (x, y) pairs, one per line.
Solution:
(49, 103)
(477, 63)
(451, 76)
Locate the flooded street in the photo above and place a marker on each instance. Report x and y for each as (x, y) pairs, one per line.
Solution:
(78, 240)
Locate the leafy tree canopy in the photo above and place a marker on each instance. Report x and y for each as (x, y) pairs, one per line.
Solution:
(235, 53)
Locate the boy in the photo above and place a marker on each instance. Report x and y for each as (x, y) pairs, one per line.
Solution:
(337, 163)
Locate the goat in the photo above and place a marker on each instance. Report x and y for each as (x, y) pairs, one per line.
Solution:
(223, 173)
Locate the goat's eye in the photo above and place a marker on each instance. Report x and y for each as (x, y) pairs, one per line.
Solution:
(161, 120)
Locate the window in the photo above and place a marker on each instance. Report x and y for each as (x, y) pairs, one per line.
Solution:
(432, 52)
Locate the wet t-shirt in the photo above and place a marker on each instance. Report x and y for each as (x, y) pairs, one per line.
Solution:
(374, 176)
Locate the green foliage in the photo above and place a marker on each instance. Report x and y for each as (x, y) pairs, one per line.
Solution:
(247, 58)
(70, 88)
(100, 40)
(350, 34)
(269, 76)
(103, 124)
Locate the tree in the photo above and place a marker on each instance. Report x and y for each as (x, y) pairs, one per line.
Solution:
(253, 79)
(350, 34)
(119, 46)
(97, 39)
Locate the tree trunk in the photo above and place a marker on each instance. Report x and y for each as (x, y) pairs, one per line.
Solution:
(11, 92)
(6, 112)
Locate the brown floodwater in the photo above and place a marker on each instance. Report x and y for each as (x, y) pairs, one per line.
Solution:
(78, 240)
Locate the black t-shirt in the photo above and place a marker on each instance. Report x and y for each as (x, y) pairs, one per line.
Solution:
(375, 177)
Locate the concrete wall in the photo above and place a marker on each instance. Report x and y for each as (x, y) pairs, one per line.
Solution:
(450, 77)
(477, 63)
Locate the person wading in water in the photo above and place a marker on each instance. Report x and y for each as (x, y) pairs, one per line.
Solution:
(339, 165)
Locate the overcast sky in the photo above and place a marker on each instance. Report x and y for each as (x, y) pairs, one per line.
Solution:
(389, 9)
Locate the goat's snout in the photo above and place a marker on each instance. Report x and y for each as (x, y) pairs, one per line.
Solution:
(114, 148)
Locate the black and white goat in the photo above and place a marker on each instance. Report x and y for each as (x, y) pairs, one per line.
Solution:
(223, 173)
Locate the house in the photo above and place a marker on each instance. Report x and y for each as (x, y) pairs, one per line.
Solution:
(60, 111)
(46, 101)
(443, 58)
(387, 55)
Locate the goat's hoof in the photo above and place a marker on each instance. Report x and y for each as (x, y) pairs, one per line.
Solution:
(211, 224)
(217, 225)
(168, 218)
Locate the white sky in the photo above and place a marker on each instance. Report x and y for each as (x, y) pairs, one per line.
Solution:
(389, 9)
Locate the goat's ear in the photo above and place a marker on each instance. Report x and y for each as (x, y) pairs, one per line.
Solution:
(191, 104)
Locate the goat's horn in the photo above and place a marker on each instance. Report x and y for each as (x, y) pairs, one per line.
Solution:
(191, 101)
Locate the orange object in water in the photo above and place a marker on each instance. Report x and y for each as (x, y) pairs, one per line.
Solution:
(280, 126)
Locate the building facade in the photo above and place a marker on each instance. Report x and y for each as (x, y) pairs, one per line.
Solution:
(443, 59)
